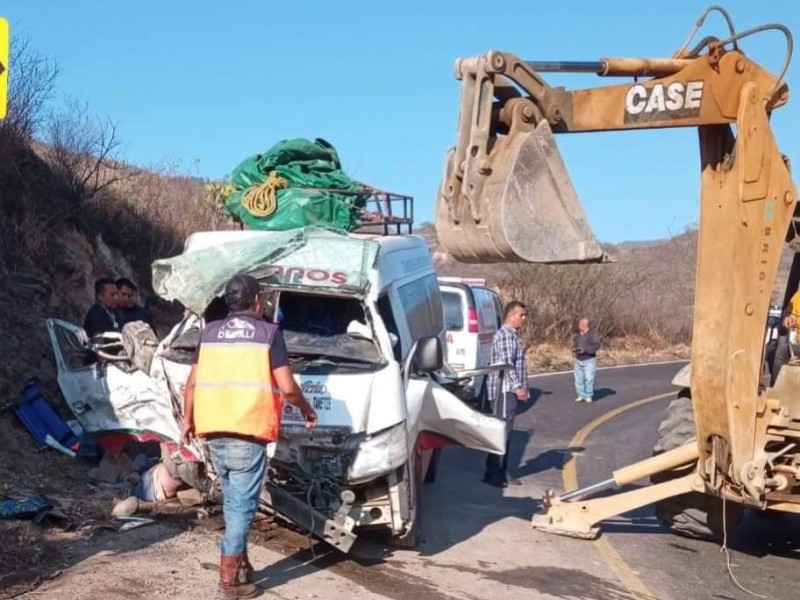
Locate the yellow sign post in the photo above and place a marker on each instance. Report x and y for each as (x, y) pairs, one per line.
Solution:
(3, 67)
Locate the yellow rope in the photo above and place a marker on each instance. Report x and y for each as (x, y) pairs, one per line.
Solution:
(261, 200)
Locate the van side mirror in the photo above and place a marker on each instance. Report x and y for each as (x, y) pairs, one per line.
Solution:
(428, 357)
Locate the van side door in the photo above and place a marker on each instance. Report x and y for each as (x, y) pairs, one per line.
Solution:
(106, 399)
(430, 407)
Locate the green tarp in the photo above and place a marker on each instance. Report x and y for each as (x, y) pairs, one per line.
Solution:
(309, 168)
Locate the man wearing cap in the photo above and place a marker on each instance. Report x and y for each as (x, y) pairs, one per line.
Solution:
(233, 400)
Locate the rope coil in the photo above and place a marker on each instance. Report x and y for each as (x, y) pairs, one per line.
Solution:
(261, 200)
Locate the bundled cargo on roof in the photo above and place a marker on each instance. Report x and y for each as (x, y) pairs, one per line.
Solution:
(294, 184)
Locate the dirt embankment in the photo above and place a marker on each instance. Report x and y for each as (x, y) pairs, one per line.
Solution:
(60, 286)
(72, 211)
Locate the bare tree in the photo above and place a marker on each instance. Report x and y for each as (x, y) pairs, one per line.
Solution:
(32, 78)
(557, 295)
(84, 151)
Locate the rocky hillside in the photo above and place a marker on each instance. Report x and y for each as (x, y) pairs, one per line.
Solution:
(72, 211)
(54, 243)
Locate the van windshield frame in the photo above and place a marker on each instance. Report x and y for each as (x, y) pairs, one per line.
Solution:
(315, 325)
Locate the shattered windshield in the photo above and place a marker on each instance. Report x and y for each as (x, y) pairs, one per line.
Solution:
(317, 326)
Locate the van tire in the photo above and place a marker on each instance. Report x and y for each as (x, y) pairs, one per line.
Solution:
(433, 466)
(693, 515)
(411, 537)
(481, 402)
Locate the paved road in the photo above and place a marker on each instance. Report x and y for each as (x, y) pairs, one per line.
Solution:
(479, 543)
(765, 550)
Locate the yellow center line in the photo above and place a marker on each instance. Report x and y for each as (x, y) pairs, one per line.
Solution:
(623, 571)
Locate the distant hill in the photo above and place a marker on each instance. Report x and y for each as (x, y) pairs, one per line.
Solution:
(647, 289)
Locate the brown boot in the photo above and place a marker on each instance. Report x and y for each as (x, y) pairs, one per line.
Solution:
(246, 572)
(229, 585)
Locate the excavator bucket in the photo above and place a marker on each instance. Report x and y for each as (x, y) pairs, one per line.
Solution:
(526, 210)
(505, 195)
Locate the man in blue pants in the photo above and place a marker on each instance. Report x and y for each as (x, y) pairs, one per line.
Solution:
(585, 345)
(234, 399)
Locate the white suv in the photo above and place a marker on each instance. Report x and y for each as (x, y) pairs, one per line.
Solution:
(472, 315)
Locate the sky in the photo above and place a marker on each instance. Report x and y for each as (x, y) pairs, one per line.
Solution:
(204, 85)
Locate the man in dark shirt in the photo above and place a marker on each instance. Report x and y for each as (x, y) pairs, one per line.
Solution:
(585, 345)
(100, 317)
(127, 308)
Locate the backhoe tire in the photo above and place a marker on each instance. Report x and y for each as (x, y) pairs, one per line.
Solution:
(691, 515)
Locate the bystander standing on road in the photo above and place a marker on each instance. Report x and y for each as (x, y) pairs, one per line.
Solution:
(787, 345)
(509, 388)
(585, 345)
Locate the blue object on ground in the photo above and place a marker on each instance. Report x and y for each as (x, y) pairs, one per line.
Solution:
(23, 509)
(39, 417)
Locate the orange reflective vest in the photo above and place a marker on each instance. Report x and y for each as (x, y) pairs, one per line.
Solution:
(235, 392)
(794, 305)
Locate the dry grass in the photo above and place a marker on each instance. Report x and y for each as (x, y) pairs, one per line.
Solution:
(641, 303)
(22, 558)
(625, 351)
(72, 212)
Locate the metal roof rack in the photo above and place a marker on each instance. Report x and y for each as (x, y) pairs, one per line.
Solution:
(387, 213)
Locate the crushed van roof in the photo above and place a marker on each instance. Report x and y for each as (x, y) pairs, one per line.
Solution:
(302, 258)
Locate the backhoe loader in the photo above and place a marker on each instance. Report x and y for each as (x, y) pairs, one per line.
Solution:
(732, 443)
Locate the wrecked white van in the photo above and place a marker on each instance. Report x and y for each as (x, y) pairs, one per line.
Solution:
(362, 318)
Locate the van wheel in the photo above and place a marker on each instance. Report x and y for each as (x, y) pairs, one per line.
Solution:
(481, 400)
(433, 466)
(692, 515)
(411, 537)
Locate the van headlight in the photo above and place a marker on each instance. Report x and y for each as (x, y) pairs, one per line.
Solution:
(381, 453)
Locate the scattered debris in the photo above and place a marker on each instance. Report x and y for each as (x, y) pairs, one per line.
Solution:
(42, 421)
(56, 446)
(133, 523)
(28, 508)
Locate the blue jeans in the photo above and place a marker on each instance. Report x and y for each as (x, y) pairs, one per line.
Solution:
(240, 465)
(584, 377)
(505, 408)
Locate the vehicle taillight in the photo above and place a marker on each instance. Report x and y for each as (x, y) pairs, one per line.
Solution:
(473, 320)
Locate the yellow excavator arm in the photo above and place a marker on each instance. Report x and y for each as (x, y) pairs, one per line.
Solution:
(505, 194)
(506, 197)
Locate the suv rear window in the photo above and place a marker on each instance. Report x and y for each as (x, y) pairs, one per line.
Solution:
(453, 311)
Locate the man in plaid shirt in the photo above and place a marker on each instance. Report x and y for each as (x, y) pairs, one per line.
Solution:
(508, 388)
